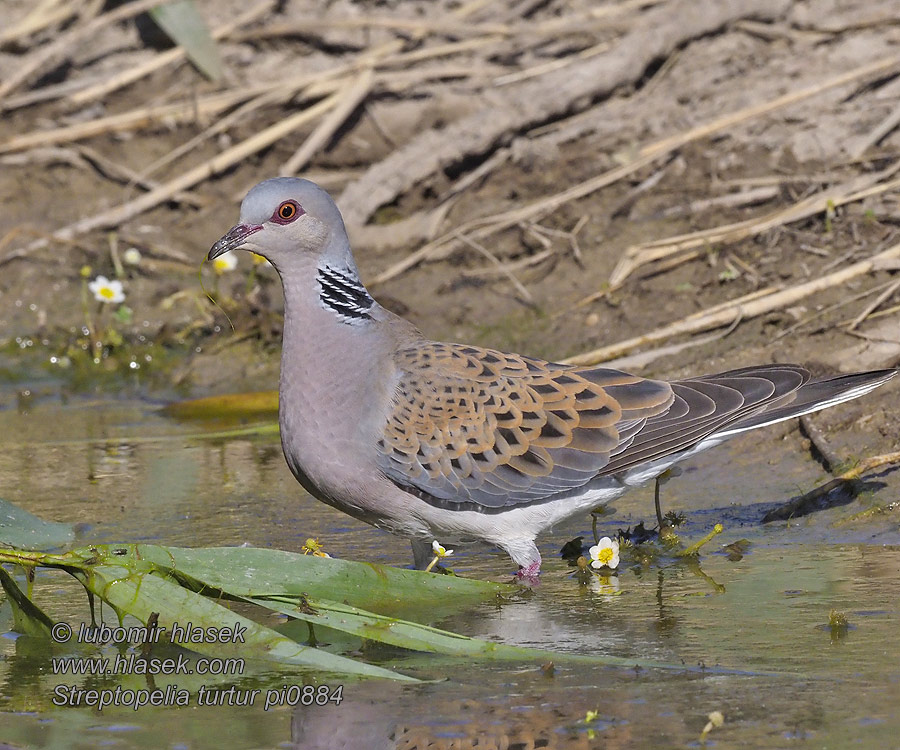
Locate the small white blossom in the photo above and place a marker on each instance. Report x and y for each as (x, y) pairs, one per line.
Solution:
(439, 554)
(132, 256)
(605, 553)
(258, 260)
(107, 291)
(225, 262)
(439, 550)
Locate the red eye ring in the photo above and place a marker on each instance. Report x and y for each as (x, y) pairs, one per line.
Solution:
(287, 212)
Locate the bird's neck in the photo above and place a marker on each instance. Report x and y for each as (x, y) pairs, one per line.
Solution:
(333, 348)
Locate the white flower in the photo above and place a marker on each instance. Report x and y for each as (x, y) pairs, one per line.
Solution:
(258, 260)
(132, 256)
(107, 291)
(439, 554)
(605, 553)
(439, 550)
(225, 262)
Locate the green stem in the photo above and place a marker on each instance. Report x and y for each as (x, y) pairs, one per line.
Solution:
(695, 547)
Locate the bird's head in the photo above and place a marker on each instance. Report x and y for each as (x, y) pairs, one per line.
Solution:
(286, 220)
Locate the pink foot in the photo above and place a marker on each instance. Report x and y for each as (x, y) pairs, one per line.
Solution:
(530, 574)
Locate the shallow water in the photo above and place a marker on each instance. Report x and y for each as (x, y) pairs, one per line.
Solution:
(749, 638)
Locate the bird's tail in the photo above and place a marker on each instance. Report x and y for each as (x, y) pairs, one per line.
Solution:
(815, 395)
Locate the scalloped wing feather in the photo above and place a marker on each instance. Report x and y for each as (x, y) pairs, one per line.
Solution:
(478, 425)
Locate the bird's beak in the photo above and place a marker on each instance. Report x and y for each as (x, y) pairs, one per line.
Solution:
(232, 240)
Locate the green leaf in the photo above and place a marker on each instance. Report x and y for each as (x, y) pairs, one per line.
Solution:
(393, 631)
(186, 27)
(124, 314)
(233, 405)
(141, 594)
(19, 528)
(27, 617)
(253, 572)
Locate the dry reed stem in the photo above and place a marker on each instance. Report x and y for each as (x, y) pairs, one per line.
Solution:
(184, 111)
(41, 17)
(485, 226)
(888, 124)
(831, 308)
(504, 270)
(164, 59)
(851, 191)
(511, 267)
(747, 308)
(530, 103)
(878, 302)
(127, 175)
(727, 121)
(211, 105)
(447, 26)
(56, 50)
(551, 65)
(240, 151)
(346, 101)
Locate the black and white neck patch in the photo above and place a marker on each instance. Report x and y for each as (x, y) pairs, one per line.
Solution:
(343, 293)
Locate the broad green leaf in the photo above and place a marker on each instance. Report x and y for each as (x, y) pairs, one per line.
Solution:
(143, 579)
(19, 528)
(231, 405)
(186, 27)
(141, 594)
(393, 631)
(254, 572)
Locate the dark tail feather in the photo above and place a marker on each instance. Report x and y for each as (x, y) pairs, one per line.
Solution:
(818, 394)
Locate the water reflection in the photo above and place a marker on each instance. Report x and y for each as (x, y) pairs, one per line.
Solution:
(765, 611)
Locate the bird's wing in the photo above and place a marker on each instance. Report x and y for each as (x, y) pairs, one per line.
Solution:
(706, 405)
(472, 425)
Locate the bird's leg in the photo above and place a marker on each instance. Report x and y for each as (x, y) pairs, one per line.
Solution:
(524, 553)
(659, 518)
(673, 471)
(530, 574)
(422, 553)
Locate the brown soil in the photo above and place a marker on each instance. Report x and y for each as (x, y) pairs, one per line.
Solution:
(795, 151)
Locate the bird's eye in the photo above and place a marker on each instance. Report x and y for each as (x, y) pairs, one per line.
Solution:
(287, 211)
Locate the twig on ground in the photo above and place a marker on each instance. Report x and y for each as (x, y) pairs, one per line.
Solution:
(505, 269)
(731, 200)
(725, 314)
(642, 359)
(44, 57)
(878, 302)
(854, 190)
(346, 101)
(808, 502)
(240, 151)
(125, 175)
(166, 58)
(520, 287)
(819, 444)
(529, 103)
(825, 310)
(486, 226)
(42, 16)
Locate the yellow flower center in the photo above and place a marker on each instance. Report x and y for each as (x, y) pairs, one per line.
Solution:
(605, 555)
(106, 292)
